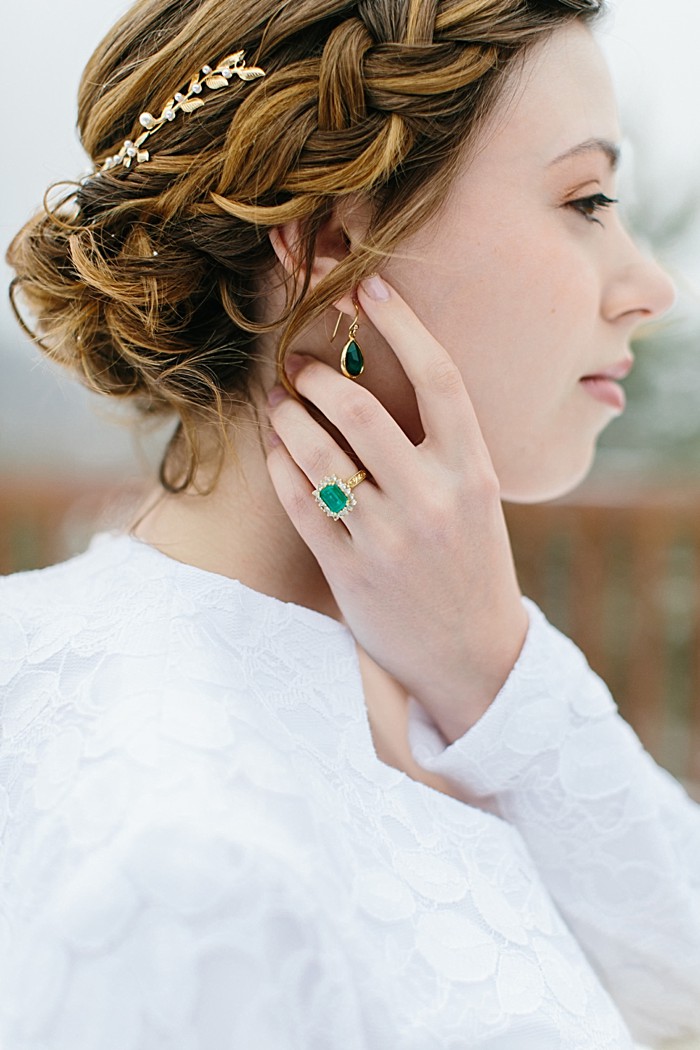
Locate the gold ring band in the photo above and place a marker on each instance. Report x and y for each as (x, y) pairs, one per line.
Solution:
(356, 479)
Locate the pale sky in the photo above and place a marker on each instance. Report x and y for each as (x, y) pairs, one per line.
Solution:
(652, 47)
(652, 50)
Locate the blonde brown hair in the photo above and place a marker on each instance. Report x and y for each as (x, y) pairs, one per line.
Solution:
(144, 280)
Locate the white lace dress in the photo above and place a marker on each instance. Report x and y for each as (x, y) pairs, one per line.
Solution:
(202, 851)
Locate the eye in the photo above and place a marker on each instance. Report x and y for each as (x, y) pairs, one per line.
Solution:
(589, 206)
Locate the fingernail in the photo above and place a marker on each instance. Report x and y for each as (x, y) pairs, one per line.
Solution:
(294, 363)
(375, 288)
(273, 438)
(277, 394)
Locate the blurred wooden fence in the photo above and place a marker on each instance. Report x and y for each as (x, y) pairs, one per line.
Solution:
(616, 567)
(44, 520)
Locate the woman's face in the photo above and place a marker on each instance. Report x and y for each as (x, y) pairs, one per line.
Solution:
(527, 281)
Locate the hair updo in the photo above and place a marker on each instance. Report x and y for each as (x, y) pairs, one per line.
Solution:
(144, 280)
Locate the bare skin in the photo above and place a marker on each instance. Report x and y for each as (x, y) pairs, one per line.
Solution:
(243, 547)
(540, 291)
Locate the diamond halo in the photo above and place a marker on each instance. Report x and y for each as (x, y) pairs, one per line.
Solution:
(333, 481)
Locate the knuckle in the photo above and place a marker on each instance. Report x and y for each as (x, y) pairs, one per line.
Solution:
(394, 549)
(395, 542)
(310, 370)
(434, 520)
(438, 516)
(479, 484)
(487, 484)
(444, 378)
(360, 411)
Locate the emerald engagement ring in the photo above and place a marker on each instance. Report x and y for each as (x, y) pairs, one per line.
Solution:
(334, 496)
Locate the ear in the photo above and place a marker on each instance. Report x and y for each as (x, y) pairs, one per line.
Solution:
(332, 243)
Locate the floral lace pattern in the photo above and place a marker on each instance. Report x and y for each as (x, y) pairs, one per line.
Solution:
(614, 837)
(200, 849)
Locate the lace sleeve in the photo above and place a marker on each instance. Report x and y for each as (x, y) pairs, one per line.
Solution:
(174, 938)
(615, 838)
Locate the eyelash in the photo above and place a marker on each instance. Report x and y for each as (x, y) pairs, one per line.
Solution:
(588, 206)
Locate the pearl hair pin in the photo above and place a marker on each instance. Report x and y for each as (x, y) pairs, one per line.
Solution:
(185, 101)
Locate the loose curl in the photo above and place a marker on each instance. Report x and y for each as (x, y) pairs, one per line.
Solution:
(144, 281)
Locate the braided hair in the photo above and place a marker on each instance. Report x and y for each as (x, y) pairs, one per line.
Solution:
(144, 281)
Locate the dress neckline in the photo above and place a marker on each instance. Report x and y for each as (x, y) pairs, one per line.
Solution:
(337, 636)
(124, 540)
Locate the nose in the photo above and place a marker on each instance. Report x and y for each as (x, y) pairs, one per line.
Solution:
(639, 288)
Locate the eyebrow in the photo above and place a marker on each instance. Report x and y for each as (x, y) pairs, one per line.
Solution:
(611, 151)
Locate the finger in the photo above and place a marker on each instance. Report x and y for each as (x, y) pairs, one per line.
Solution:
(320, 462)
(313, 449)
(446, 410)
(323, 536)
(378, 441)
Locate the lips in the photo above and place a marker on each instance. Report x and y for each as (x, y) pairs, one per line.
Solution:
(604, 385)
(618, 371)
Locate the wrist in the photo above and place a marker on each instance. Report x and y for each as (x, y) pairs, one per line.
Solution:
(487, 665)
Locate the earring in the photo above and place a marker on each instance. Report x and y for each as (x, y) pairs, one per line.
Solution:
(352, 362)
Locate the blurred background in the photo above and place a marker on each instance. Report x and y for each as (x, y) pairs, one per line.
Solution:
(616, 564)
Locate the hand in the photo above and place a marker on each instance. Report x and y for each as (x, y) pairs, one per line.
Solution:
(421, 568)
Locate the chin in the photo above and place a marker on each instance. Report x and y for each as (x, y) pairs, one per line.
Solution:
(544, 482)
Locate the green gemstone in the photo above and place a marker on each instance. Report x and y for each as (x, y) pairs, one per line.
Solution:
(334, 498)
(352, 358)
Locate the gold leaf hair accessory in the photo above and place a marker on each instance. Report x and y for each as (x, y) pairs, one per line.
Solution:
(185, 101)
(584, 5)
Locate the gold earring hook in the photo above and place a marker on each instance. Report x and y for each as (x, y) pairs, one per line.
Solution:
(355, 324)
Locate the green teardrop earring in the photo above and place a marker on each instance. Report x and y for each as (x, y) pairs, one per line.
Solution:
(352, 362)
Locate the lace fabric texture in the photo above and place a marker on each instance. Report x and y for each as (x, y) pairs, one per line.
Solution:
(201, 850)
(615, 838)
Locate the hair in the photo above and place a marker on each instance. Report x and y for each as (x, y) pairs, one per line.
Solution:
(144, 281)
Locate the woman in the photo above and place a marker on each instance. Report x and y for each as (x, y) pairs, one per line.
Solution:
(295, 768)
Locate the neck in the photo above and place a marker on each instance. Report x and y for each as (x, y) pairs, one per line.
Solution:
(240, 530)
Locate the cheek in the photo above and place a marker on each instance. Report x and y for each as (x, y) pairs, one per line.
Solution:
(513, 307)
(507, 314)
(527, 283)
(516, 307)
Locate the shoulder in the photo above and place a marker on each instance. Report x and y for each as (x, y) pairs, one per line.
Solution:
(118, 652)
(108, 643)
(75, 609)
(76, 584)
(40, 611)
(30, 588)
(130, 667)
